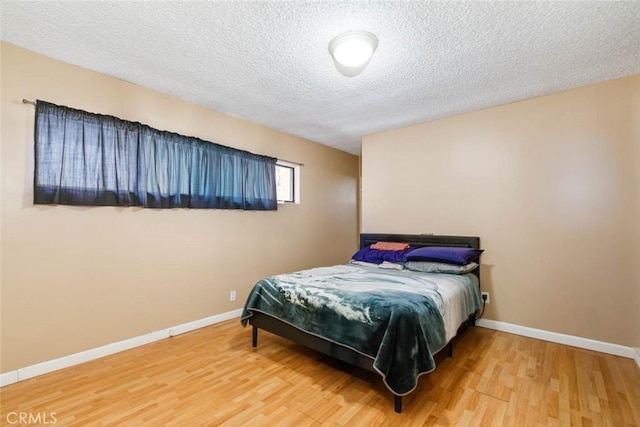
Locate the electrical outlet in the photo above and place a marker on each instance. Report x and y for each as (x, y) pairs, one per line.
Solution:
(232, 296)
(485, 297)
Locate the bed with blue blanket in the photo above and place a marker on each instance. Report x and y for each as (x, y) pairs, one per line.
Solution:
(391, 322)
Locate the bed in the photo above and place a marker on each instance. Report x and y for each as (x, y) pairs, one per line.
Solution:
(391, 322)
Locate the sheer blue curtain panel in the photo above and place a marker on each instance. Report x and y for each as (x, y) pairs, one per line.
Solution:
(84, 158)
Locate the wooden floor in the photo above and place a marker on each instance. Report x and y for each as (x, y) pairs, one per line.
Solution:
(213, 377)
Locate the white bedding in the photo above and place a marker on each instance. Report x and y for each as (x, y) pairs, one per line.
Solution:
(456, 309)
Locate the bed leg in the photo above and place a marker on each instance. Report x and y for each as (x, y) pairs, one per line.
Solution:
(397, 403)
(472, 321)
(450, 349)
(254, 336)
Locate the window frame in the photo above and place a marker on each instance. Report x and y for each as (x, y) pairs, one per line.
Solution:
(295, 181)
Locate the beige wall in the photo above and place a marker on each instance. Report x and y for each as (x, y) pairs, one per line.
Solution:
(74, 278)
(636, 121)
(551, 187)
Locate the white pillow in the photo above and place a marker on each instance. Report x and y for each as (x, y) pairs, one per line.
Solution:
(391, 265)
(363, 263)
(440, 267)
(385, 264)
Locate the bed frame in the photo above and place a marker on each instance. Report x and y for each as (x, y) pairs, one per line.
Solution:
(263, 321)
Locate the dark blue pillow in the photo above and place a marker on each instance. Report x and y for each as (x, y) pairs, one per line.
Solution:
(452, 255)
(376, 256)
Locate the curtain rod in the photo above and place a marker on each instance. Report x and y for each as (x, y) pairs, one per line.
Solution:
(291, 161)
(26, 101)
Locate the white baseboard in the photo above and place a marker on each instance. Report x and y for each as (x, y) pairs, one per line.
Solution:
(96, 353)
(8, 378)
(636, 355)
(586, 343)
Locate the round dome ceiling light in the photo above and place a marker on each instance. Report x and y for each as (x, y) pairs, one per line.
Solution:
(352, 51)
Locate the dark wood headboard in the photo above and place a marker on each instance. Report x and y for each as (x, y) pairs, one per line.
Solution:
(419, 240)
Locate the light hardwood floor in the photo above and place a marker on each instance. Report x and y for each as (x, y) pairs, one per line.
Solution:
(212, 376)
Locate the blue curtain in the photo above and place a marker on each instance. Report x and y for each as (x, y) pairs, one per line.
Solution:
(83, 158)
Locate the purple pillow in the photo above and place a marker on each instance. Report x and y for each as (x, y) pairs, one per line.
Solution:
(450, 254)
(376, 256)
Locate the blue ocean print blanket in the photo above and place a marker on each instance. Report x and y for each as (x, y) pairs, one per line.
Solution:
(393, 317)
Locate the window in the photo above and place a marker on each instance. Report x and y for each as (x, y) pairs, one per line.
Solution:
(288, 182)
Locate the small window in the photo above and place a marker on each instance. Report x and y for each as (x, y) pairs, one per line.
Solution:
(288, 182)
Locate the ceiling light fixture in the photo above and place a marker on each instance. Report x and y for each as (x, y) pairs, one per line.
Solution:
(351, 51)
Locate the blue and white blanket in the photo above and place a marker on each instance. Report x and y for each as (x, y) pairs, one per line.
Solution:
(397, 318)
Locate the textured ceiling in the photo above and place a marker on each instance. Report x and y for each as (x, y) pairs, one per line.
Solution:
(268, 62)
